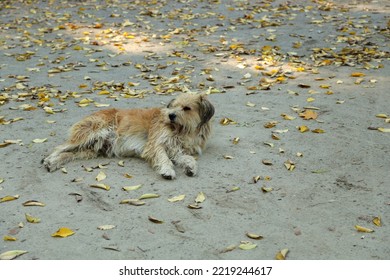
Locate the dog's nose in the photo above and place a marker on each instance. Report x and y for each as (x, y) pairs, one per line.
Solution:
(172, 116)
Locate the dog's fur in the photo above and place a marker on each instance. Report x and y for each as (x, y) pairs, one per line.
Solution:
(162, 136)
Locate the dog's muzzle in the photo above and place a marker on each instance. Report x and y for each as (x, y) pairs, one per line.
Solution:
(172, 117)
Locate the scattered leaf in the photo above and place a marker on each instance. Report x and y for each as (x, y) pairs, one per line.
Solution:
(149, 195)
(155, 220)
(106, 227)
(303, 128)
(177, 198)
(309, 115)
(101, 186)
(39, 140)
(200, 197)
(32, 219)
(33, 203)
(132, 188)
(254, 236)
(318, 130)
(281, 255)
(246, 245)
(10, 255)
(266, 189)
(363, 229)
(63, 232)
(101, 176)
(227, 121)
(377, 221)
(358, 74)
(9, 238)
(9, 198)
(134, 202)
(381, 129)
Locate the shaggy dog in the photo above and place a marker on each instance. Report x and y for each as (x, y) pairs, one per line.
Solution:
(162, 136)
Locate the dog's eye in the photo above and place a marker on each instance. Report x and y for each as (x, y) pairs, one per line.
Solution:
(186, 108)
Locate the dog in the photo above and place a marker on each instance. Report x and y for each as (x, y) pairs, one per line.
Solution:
(164, 137)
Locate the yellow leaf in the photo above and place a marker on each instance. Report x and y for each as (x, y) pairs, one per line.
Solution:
(31, 219)
(135, 202)
(254, 236)
(200, 197)
(63, 232)
(287, 117)
(103, 92)
(9, 255)
(101, 176)
(9, 238)
(132, 188)
(357, 74)
(310, 99)
(101, 186)
(9, 198)
(40, 140)
(227, 121)
(325, 86)
(381, 129)
(236, 140)
(281, 255)
(149, 195)
(318, 130)
(246, 245)
(308, 114)
(383, 116)
(33, 203)
(363, 229)
(377, 221)
(177, 198)
(265, 189)
(303, 128)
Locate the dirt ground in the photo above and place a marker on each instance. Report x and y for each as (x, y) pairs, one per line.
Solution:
(299, 154)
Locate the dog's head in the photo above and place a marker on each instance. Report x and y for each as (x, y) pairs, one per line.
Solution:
(189, 111)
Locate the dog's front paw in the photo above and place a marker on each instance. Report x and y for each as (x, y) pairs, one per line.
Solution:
(168, 173)
(191, 168)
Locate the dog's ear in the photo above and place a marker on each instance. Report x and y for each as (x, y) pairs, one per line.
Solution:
(170, 103)
(206, 109)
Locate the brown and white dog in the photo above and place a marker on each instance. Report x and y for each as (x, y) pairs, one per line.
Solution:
(163, 136)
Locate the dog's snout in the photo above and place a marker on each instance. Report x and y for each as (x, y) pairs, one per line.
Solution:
(172, 116)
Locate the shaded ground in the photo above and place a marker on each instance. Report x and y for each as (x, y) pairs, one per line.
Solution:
(302, 111)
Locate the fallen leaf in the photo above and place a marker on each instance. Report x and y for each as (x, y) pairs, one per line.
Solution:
(39, 140)
(377, 221)
(236, 140)
(101, 176)
(290, 166)
(9, 255)
(381, 129)
(233, 189)
(33, 203)
(177, 198)
(106, 227)
(121, 163)
(148, 196)
(228, 249)
(303, 128)
(309, 115)
(31, 219)
(194, 206)
(101, 186)
(318, 130)
(132, 188)
(155, 220)
(358, 74)
(227, 121)
(9, 238)
(134, 202)
(228, 157)
(254, 236)
(200, 197)
(267, 162)
(63, 232)
(363, 229)
(266, 189)
(9, 198)
(281, 255)
(246, 245)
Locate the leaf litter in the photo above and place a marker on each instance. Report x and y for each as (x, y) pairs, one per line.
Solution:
(351, 47)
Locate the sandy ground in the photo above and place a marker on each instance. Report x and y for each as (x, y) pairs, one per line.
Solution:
(266, 65)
